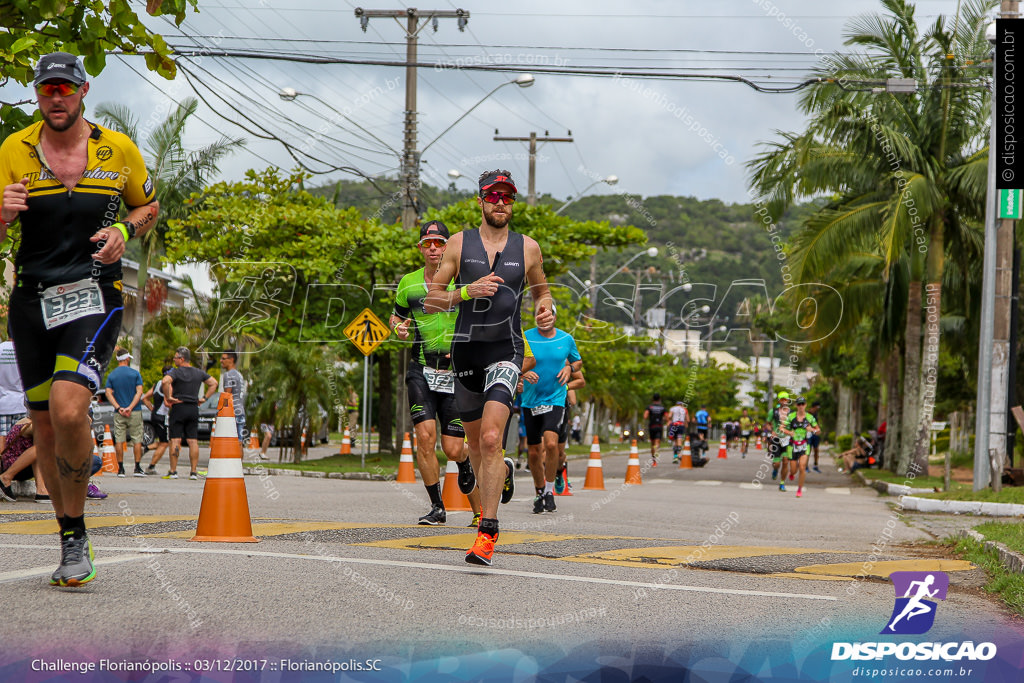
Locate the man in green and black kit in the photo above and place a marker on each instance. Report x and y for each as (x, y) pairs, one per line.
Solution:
(430, 381)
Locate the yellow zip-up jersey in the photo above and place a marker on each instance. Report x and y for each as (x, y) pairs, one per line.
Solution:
(56, 227)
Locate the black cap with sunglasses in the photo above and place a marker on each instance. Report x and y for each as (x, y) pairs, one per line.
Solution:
(434, 230)
(60, 66)
(492, 178)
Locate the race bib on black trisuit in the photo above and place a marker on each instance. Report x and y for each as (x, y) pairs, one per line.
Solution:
(540, 410)
(503, 372)
(64, 303)
(441, 381)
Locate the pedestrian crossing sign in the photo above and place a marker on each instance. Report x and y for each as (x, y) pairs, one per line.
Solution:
(367, 332)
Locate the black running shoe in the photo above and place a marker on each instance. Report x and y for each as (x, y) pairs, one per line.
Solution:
(467, 479)
(510, 483)
(549, 502)
(538, 505)
(436, 516)
(6, 493)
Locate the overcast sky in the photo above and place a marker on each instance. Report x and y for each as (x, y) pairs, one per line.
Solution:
(638, 130)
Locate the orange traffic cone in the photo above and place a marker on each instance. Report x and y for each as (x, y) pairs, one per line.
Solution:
(757, 444)
(254, 442)
(633, 466)
(595, 474)
(109, 456)
(96, 452)
(406, 470)
(686, 459)
(346, 443)
(452, 497)
(723, 450)
(224, 513)
(302, 442)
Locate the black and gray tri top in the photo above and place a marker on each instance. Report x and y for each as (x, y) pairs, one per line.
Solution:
(495, 318)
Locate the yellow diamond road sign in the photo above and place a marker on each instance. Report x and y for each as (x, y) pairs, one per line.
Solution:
(367, 331)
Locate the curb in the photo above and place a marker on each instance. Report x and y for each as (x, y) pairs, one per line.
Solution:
(280, 472)
(956, 507)
(960, 507)
(1011, 560)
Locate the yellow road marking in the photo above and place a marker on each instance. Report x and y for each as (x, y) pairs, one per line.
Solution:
(42, 527)
(883, 569)
(682, 554)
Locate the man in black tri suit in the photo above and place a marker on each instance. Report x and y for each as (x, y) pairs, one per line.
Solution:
(655, 416)
(490, 266)
(65, 179)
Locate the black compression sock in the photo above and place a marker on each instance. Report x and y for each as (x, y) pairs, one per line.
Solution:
(60, 522)
(74, 524)
(489, 526)
(434, 492)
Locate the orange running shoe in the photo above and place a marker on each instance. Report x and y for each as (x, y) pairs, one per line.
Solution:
(483, 550)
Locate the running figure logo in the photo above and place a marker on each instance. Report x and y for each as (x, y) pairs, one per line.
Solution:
(913, 613)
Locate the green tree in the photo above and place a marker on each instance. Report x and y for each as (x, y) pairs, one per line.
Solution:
(177, 173)
(903, 173)
(88, 28)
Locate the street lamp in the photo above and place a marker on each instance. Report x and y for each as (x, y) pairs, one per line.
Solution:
(611, 180)
(290, 94)
(523, 81)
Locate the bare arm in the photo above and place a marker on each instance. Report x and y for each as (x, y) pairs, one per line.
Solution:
(543, 305)
(211, 386)
(168, 393)
(136, 398)
(141, 217)
(438, 297)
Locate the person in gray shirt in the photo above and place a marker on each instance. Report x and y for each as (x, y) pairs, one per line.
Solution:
(231, 380)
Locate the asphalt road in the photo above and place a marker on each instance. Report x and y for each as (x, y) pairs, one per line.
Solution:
(711, 567)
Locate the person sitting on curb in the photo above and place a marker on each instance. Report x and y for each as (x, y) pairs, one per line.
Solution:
(861, 456)
(18, 463)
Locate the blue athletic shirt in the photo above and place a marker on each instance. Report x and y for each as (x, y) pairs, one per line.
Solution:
(702, 418)
(551, 354)
(123, 380)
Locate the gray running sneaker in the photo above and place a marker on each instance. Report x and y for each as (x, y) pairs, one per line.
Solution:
(549, 502)
(76, 567)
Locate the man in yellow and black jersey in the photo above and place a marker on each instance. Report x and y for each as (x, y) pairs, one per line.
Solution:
(65, 179)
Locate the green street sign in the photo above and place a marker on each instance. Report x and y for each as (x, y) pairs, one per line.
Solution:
(1010, 204)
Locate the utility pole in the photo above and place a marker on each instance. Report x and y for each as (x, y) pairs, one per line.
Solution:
(994, 352)
(410, 155)
(531, 198)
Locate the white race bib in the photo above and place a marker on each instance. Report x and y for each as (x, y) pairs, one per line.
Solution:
(441, 381)
(503, 372)
(540, 410)
(64, 303)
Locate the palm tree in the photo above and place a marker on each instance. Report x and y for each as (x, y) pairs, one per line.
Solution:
(292, 384)
(177, 173)
(903, 173)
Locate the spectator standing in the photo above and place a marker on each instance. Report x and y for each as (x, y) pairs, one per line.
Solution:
(181, 387)
(154, 400)
(231, 380)
(124, 393)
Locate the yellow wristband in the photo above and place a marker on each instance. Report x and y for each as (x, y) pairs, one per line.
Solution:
(123, 228)
(464, 293)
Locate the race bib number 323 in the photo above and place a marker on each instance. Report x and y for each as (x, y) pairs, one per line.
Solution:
(64, 303)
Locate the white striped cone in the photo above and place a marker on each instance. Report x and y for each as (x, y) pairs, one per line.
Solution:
(686, 458)
(595, 473)
(302, 442)
(224, 513)
(453, 498)
(346, 443)
(406, 470)
(633, 466)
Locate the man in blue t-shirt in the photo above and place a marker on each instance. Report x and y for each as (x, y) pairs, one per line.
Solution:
(703, 424)
(124, 393)
(544, 394)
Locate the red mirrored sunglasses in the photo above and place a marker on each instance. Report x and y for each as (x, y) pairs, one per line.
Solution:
(64, 89)
(432, 242)
(493, 197)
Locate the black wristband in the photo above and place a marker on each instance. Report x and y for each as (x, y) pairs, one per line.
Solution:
(131, 229)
